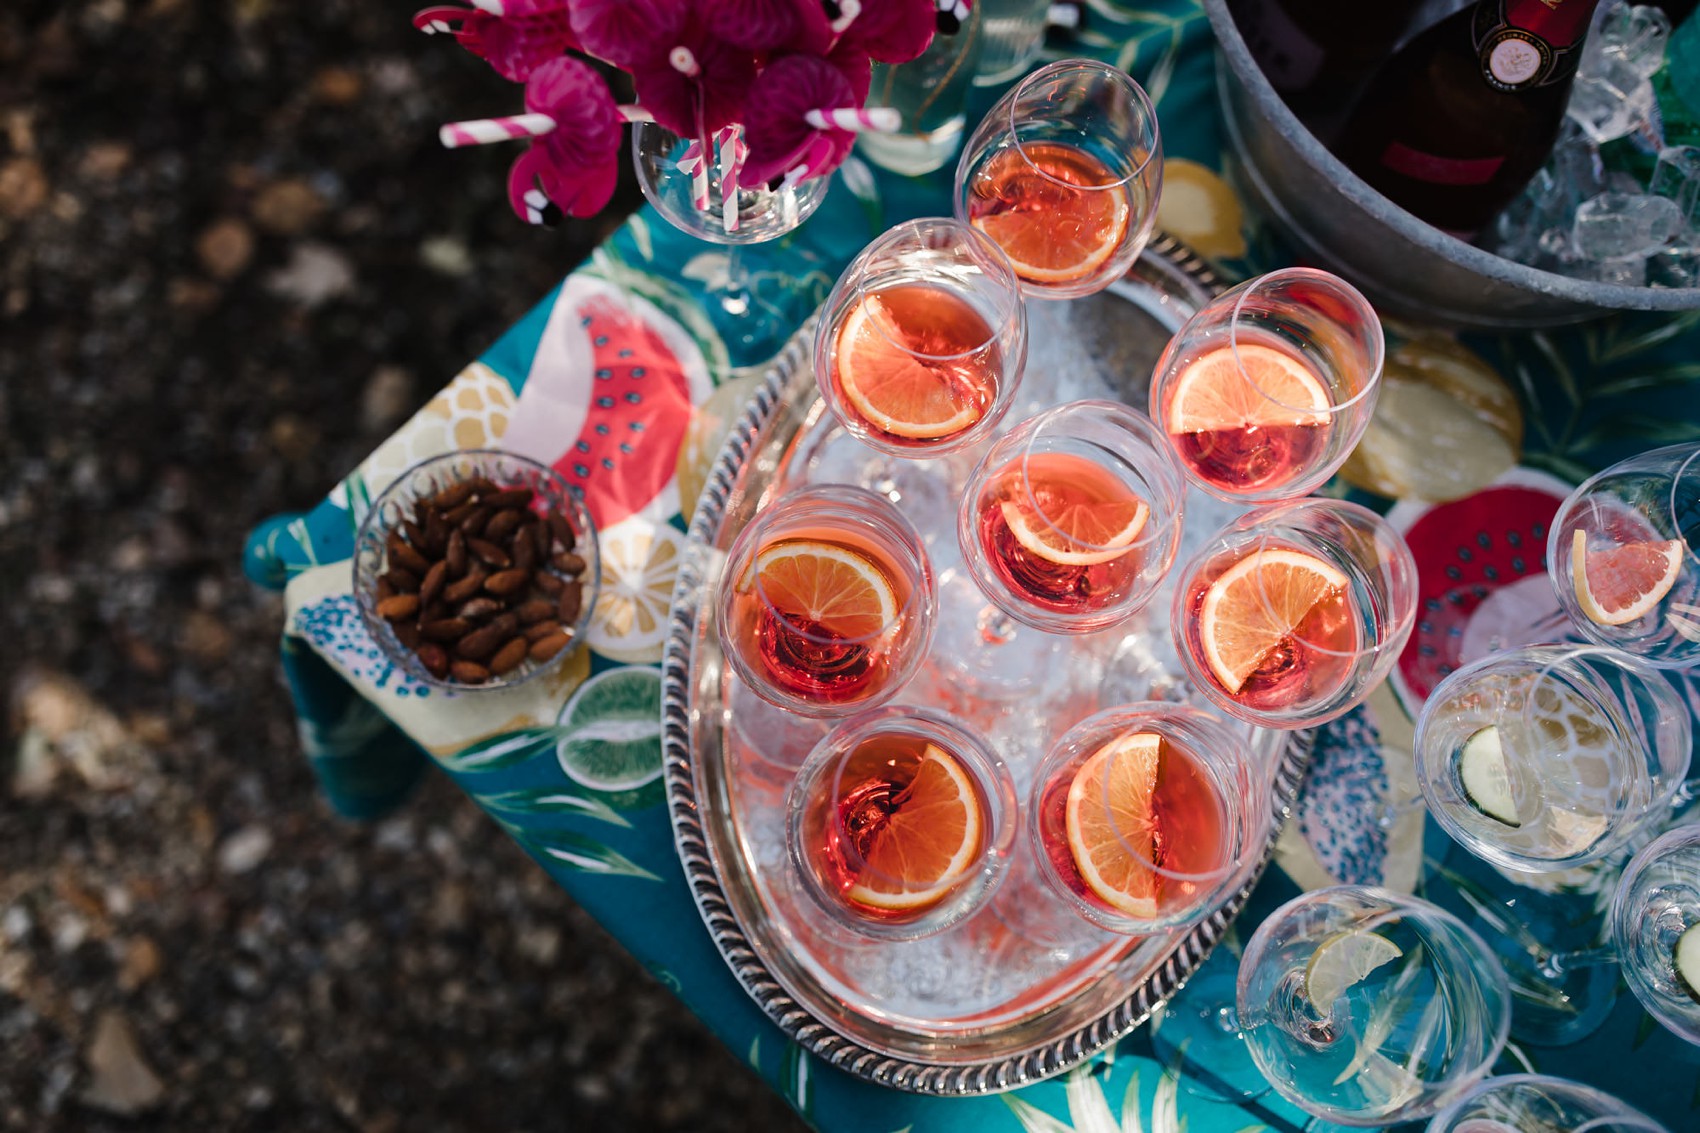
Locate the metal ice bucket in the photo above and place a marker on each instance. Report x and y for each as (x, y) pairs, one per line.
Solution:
(1406, 267)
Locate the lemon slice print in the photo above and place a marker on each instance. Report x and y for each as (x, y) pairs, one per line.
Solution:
(640, 560)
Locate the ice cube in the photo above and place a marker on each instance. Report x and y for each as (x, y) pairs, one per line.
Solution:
(1613, 101)
(1614, 226)
(1677, 178)
(1635, 34)
(1627, 271)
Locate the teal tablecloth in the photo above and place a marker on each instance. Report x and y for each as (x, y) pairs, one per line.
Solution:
(619, 379)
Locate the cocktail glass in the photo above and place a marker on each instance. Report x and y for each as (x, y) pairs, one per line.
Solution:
(1071, 519)
(1621, 552)
(1064, 175)
(1267, 389)
(900, 823)
(1290, 615)
(1538, 1103)
(827, 603)
(921, 344)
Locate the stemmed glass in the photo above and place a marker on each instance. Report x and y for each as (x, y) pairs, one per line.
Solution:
(1537, 1103)
(1072, 519)
(827, 603)
(1622, 560)
(1290, 615)
(1266, 390)
(694, 192)
(1365, 1007)
(900, 823)
(1143, 817)
(1063, 173)
(921, 344)
(1548, 757)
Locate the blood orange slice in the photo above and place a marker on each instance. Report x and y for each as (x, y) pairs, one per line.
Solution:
(914, 362)
(840, 590)
(931, 842)
(1619, 584)
(1071, 512)
(1055, 217)
(1111, 825)
(1261, 386)
(1255, 604)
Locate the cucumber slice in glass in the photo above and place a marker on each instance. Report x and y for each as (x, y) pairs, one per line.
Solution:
(1485, 778)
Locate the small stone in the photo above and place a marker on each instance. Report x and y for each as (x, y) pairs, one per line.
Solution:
(104, 161)
(386, 399)
(244, 850)
(75, 728)
(192, 296)
(20, 129)
(315, 274)
(288, 208)
(23, 187)
(142, 962)
(292, 436)
(225, 247)
(446, 256)
(205, 637)
(121, 1081)
(16, 923)
(338, 86)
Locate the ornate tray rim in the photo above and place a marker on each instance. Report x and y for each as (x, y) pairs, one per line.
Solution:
(691, 840)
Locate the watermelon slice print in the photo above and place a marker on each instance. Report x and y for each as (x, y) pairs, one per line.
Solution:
(616, 381)
(1467, 551)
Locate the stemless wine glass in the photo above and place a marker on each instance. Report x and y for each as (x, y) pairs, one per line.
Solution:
(1655, 919)
(828, 601)
(1064, 175)
(691, 192)
(1290, 615)
(1366, 1007)
(1142, 817)
(1267, 389)
(1072, 519)
(1538, 1103)
(921, 344)
(1622, 556)
(1551, 756)
(900, 823)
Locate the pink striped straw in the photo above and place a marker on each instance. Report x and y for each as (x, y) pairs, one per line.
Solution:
(633, 113)
(483, 131)
(494, 7)
(733, 154)
(877, 120)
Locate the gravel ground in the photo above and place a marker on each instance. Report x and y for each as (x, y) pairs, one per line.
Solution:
(232, 259)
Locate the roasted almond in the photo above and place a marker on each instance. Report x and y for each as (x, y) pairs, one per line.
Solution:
(525, 551)
(534, 611)
(546, 647)
(445, 629)
(398, 607)
(562, 530)
(468, 673)
(454, 517)
(474, 523)
(541, 539)
(569, 604)
(453, 496)
(481, 643)
(406, 632)
(489, 553)
(405, 556)
(436, 534)
(432, 586)
(507, 583)
(569, 563)
(435, 659)
(548, 583)
(503, 524)
(479, 608)
(401, 581)
(457, 592)
(383, 589)
(537, 631)
(415, 534)
(455, 554)
(509, 655)
(508, 497)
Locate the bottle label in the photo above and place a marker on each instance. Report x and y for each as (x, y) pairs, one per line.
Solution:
(1530, 43)
(1436, 170)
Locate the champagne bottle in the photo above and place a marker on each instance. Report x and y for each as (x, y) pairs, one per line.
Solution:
(1464, 115)
(1317, 53)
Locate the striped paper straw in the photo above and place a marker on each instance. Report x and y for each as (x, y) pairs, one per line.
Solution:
(878, 119)
(483, 131)
(494, 7)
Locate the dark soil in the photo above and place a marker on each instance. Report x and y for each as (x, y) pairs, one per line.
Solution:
(232, 259)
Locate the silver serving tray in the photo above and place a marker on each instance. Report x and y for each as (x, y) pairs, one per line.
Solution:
(1007, 997)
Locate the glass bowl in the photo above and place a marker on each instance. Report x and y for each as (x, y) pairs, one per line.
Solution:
(397, 508)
